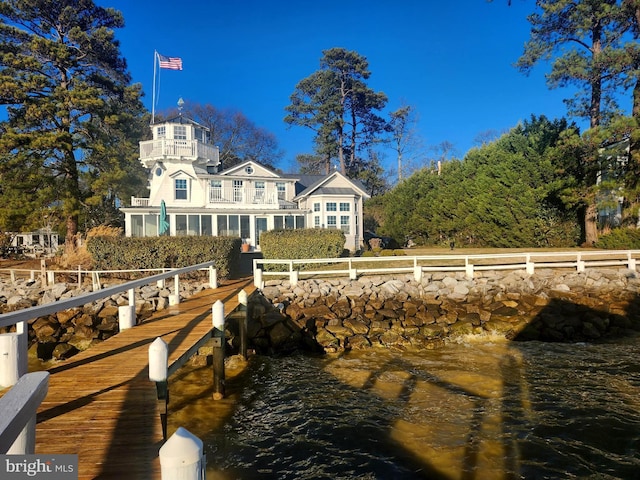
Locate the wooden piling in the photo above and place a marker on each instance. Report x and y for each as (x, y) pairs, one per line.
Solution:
(217, 337)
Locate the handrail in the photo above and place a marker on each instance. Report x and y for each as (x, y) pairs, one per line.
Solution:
(7, 319)
(19, 406)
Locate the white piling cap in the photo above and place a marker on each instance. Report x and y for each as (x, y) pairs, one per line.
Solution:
(217, 311)
(182, 449)
(158, 356)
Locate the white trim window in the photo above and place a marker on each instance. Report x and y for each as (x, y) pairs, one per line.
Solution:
(181, 189)
(345, 224)
(316, 221)
(215, 190)
(179, 132)
(345, 207)
(162, 131)
(281, 187)
(332, 207)
(331, 221)
(316, 207)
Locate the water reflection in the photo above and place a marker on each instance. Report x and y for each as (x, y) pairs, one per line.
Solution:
(484, 408)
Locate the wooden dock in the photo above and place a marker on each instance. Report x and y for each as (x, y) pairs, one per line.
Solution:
(101, 404)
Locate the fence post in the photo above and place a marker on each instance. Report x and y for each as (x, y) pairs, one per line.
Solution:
(95, 280)
(51, 277)
(242, 300)
(182, 457)
(158, 372)
(127, 313)
(217, 337)
(43, 272)
(530, 266)
(213, 277)
(79, 276)
(175, 298)
(293, 278)
(257, 278)
(468, 268)
(417, 273)
(631, 262)
(580, 265)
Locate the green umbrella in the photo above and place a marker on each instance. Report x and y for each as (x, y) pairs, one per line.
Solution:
(163, 227)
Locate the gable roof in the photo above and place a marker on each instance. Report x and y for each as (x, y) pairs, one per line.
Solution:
(182, 120)
(321, 184)
(260, 170)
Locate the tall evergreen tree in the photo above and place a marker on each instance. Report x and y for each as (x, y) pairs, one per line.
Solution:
(336, 103)
(71, 109)
(584, 36)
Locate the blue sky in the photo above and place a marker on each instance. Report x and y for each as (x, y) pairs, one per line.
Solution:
(451, 61)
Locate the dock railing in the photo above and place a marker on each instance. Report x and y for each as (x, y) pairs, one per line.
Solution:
(13, 351)
(353, 267)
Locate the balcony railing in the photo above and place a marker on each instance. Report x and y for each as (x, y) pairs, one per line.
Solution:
(167, 147)
(246, 196)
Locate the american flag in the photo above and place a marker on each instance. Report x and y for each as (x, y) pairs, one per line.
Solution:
(172, 63)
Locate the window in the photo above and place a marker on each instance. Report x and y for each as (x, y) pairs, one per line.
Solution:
(289, 222)
(345, 207)
(199, 133)
(281, 187)
(331, 207)
(215, 190)
(278, 222)
(194, 225)
(181, 224)
(331, 221)
(206, 225)
(179, 132)
(316, 207)
(259, 193)
(316, 221)
(162, 131)
(300, 222)
(245, 226)
(181, 189)
(137, 229)
(237, 191)
(234, 226)
(248, 170)
(151, 225)
(222, 225)
(345, 222)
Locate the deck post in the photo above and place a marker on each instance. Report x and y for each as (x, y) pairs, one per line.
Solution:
(175, 298)
(10, 359)
(182, 457)
(158, 372)
(217, 336)
(242, 301)
(213, 277)
(257, 278)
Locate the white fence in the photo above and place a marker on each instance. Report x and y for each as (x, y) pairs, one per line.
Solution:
(528, 261)
(13, 363)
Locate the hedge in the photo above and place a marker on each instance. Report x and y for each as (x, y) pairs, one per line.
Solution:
(303, 243)
(129, 253)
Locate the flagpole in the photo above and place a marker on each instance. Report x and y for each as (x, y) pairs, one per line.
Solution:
(153, 96)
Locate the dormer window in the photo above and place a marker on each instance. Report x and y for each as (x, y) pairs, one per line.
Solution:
(162, 131)
(248, 170)
(179, 132)
(181, 192)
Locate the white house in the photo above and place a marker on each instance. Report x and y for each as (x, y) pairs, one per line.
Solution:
(201, 197)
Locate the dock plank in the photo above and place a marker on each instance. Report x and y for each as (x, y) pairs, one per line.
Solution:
(101, 404)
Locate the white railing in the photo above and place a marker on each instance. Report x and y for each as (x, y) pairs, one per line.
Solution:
(139, 202)
(251, 196)
(18, 419)
(168, 147)
(15, 363)
(355, 266)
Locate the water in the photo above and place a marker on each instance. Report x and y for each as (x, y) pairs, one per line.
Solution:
(479, 409)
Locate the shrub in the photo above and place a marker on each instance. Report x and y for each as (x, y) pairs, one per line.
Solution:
(304, 243)
(123, 253)
(620, 238)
